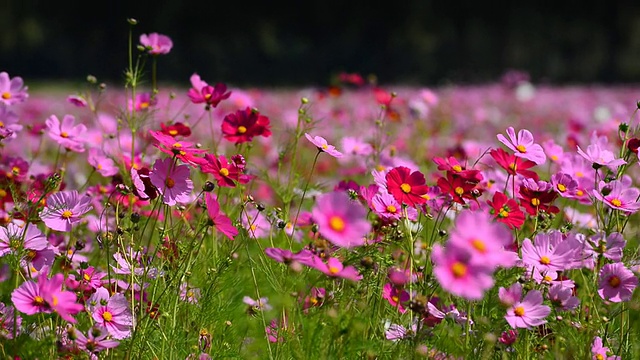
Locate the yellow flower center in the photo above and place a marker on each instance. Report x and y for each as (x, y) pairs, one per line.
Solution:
(1, 124)
(545, 260)
(242, 129)
(86, 277)
(600, 357)
(64, 134)
(170, 183)
(144, 105)
(394, 298)
(547, 278)
(519, 311)
(392, 209)
(562, 188)
(479, 245)
(38, 300)
(579, 174)
(457, 168)
(54, 301)
(503, 213)
(579, 192)
(614, 281)
(616, 202)
(177, 145)
(406, 188)
(521, 148)
(380, 167)
(173, 132)
(333, 270)
(67, 214)
(6, 95)
(3, 193)
(336, 223)
(513, 166)
(535, 202)
(224, 172)
(458, 269)
(459, 191)
(554, 157)
(324, 147)
(107, 316)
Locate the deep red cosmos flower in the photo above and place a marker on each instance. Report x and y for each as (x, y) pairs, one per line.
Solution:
(407, 187)
(506, 210)
(176, 129)
(183, 150)
(459, 188)
(453, 165)
(243, 125)
(226, 173)
(537, 196)
(513, 164)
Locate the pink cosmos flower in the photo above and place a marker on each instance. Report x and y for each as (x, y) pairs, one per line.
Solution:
(142, 102)
(340, 220)
(334, 268)
(172, 181)
(102, 163)
(156, 44)
(396, 297)
(15, 239)
(483, 238)
(46, 296)
(459, 274)
(9, 126)
(64, 209)
(616, 283)
(189, 293)
(599, 351)
(323, 146)
(111, 312)
(256, 223)
(529, 312)
(618, 196)
(95, 341)
(77, 100)
(261, 304)
(611, 247)
(220, 221)
(550, 252)
(596, 154)
(510, 296)
(397, 332)
(523, 145)
(564, 184)
(68, 135)
(183, 150)
(12, 91)
(386, 206)
(287, 257)
(562, 298)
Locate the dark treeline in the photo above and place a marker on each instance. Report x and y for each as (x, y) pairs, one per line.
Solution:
(424, 42)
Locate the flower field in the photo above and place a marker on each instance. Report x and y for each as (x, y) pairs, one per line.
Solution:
(357, 220)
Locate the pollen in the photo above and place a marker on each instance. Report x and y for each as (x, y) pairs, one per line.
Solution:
(406, 188)
(392, 209)
(513, 166)
(459, 191)
(547, 278)
(479, 245)
(545, 260)
(519, 311)
(224, 172)
(554, 157)
(333, 270)
(64, 134)
(144, 105)
(503, 213)
(177, 145)
(242, 129)
(535, 202)
(579, 192)
(457, 168)
(614, 281)
(173, 132)
(336, 223)
(38, 300)
(6, 95)
(67, 214)
(395, 298)
(561, 188)
(54, 300)
(207, 96)
(170, 182)
(107, 316)
(324, 147)
(579, 174)
(521, 148)
(458, 269)
(3, 193)
(616, 202)
(86, 277)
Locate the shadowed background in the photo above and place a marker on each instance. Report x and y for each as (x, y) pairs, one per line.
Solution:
(308, 43)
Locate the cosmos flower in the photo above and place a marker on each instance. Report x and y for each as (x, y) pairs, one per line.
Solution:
(334, 268)
(618, 195)
(201, 92)
(220, 221)
(64, 209)
(111, 312)
(68, 135)
(529, 312)
(156, 44)
(523, 145)
(172, 181)
(243, 125)
(616, 282)
(323, 146)
(459, 274)
(12, 91)
(340, 220)
(406, 187)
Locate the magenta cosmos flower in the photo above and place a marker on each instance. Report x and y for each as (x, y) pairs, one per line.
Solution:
(68, 135)
(529, 312)
(46, 296)
(220, 221)
(334, 268)
(616, 282)
(340, 220)
(201, 92)
(112, 312)
(95, 341)
(12, 91)
(323, 146)
(9, 126)
(523, 145)
(102, 163)
(406, 187)
(156, 43)
(618, 196)
(64, 209)
(172, 181)
(599, 351)
(459, 274)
